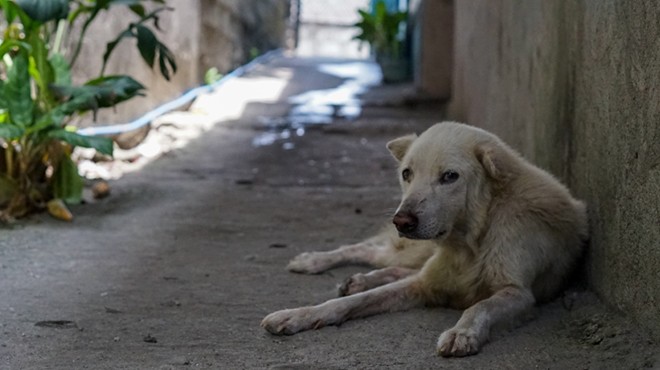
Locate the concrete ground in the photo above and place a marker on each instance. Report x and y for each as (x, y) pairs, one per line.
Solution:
(176, 269)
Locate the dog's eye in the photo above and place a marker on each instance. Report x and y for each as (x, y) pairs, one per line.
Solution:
(448, 177)
(405, 174)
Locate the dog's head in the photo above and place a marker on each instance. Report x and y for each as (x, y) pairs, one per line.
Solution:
(446, 176)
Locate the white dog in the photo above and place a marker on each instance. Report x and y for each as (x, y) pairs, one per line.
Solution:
(479, 228)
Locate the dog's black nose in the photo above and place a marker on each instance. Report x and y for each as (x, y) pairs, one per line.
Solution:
(405, 222)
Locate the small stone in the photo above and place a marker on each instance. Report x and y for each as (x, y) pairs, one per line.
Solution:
(100, 189)
(131, 139)
(150, 339)
(277, 245)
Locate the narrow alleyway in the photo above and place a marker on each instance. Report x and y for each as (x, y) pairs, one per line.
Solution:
(179, 265)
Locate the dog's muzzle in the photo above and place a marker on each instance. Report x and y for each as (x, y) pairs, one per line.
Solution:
(405, 222)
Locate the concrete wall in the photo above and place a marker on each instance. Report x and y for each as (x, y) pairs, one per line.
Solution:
(232, 30)
(575, 86)
(432, 25)
(201, 34)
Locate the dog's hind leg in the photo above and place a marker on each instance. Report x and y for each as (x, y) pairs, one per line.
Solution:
(383, 250)
(398, 296)
(375, 251)
(361, 282)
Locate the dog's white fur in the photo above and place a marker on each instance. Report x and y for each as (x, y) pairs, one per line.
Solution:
(493, 240)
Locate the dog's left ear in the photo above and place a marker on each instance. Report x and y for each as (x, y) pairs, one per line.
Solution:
(492, 159)
(399, 147)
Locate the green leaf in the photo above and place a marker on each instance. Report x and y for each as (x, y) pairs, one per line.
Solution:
(109, 47)
(380, 12)
(9, 131)
(146, 43)
(138, 9)
(3, 100)
(3, 116)
(67, 183)
(166, 61)
(98, 93)
(11, 10)
(367, 26)
(102, 144)
(112, 90)
(154, 15)
(80, 10)
(54, 117)
(8, 45)
(78, 99)
(45, 10)
(381, 29)
(212, 76)
(365, 15)
(17, 92)
(61, 69)
(40, 69)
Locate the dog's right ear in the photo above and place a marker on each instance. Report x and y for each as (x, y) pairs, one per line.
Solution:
(399, 147)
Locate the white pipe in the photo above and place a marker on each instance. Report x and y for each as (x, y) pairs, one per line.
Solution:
(179, 102)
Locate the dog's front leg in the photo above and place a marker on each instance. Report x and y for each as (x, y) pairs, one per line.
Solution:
(397, 296)
(375, 251)
(473, 328)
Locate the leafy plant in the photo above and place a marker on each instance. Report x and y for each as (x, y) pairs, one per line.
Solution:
(381, 29)
(212, 76)
(38, 99)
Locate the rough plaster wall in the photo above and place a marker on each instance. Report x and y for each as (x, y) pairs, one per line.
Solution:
(509, 73)
(616, 165)
(233, 28)
(178, 35)
(574, 85)
(432, 38)
(218, 20)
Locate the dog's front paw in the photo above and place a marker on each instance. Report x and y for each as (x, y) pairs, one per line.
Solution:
(309, 263)
(354, 284)
(288, 322)
(458, 342)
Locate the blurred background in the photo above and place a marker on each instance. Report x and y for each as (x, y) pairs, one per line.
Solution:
(224, 34)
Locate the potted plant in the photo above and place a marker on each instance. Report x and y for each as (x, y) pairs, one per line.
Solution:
(38, 99)
(382, 30)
